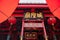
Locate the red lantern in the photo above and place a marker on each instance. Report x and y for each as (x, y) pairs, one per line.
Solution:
(51, 21)
(7, 7)
(54, 6)
(12, 20)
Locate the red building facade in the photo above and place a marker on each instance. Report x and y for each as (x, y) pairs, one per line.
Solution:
(29, 13)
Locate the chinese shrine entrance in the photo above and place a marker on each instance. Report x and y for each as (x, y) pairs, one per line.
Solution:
(33, 27)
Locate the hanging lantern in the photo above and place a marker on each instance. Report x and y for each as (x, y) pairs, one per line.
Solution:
(12, 20)
(51, 21)
(54, 6)
(7, 7)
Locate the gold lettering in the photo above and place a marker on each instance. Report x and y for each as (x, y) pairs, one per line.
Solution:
(27, 15)
(39, 15)
(33, 15)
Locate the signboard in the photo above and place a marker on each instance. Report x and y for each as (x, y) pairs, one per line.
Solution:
(33, 25)
(33, 15)
(30, 35)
